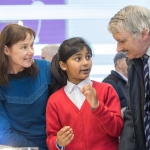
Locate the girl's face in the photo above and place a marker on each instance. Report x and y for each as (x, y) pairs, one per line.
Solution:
(78, 66)
(20, 54)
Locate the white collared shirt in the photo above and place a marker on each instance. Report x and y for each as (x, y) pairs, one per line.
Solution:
(148, 53)
(125, 78)
(73, 92)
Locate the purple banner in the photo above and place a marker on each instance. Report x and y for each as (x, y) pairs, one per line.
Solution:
(47, 31)
(28, 2)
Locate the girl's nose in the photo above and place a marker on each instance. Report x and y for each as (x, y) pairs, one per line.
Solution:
(85, 61)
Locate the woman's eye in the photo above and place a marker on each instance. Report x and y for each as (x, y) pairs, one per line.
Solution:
(31, 46)
(24, 47)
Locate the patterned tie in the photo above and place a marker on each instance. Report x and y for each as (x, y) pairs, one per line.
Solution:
(147, 101)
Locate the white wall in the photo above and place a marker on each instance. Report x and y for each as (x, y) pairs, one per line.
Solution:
(85, 18)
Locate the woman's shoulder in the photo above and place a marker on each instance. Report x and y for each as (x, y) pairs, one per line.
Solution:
(41, 62)
(44, 67)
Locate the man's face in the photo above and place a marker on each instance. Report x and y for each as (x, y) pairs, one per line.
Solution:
(45, 55)
(134, 47)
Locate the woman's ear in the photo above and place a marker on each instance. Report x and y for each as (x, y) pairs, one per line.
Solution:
(62, 65)
(6, 50)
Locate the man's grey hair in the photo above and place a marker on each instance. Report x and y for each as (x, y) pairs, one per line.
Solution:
(51, 49)
(133, 19)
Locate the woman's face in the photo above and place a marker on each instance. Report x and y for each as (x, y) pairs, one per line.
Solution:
(20, 55)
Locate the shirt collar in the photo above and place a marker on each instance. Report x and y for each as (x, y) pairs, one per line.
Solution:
(148, 51)
(125, 78)
(70, 85)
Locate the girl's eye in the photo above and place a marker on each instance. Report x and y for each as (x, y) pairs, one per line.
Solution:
(88, 57)
(77, 58)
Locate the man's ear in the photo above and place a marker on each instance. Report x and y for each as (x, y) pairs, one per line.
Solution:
(62, 65)
(118, 63)
(6, 50)
(145, 34)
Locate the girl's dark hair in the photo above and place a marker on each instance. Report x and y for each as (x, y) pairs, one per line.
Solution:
(68, 48)
(11, 34)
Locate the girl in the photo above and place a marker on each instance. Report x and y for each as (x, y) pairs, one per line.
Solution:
(81, 114)
(24, 90)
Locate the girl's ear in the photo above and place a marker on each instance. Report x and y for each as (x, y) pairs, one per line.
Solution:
(6, 50)
(62, 65)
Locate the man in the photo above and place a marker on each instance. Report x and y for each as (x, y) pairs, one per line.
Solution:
(118, 79)
(49, 51)
(130, 27)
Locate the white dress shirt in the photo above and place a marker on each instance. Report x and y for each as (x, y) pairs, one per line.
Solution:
(125, 78)
(148, 53)
(73, 92)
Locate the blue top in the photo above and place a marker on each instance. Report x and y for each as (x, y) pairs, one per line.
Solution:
(22, 109)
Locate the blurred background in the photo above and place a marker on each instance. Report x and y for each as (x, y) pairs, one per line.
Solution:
(56, 20)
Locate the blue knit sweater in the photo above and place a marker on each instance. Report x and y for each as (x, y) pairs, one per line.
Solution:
(22, 109)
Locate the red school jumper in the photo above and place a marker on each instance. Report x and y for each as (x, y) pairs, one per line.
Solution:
(93, 129)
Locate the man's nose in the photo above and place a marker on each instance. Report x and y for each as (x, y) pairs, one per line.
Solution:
(119, 47)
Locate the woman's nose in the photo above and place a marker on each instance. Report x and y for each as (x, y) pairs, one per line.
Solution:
(31, 51)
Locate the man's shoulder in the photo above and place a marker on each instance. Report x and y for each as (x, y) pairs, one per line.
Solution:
(113, 77)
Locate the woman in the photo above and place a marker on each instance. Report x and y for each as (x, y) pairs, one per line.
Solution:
(23, 89)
